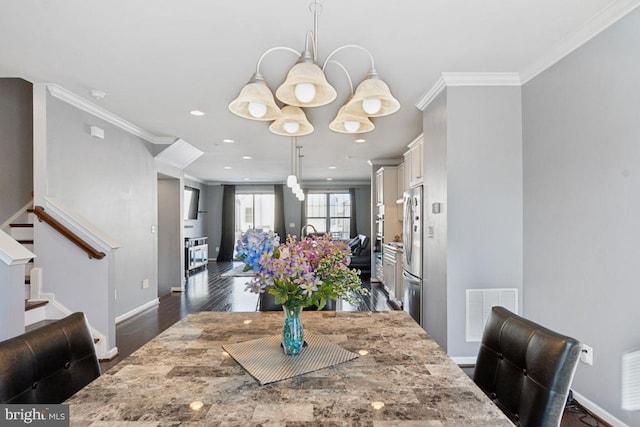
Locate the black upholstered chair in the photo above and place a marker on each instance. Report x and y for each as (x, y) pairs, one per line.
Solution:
(48, 364)
(267, 302)
(525, 368)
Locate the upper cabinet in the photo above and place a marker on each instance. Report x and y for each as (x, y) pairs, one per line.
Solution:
(414, 163)
(387, 185)
(401, 181)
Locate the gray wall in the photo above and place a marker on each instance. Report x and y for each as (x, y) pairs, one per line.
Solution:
(113, 183)
(16, 146)
(169, 244)
(581, 204)
(434, 264)
(473, 161)
(484, 184)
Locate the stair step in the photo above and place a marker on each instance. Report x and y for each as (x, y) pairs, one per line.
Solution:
(21, 225)
(31, 305)
(39, 324)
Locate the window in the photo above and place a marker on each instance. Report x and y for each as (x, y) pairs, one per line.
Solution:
(254, 211)
(330, 212)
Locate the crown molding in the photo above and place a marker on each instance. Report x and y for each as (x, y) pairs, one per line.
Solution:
(194, 179)
(608, 16)
(91, 108)
(430, 94)
(467, 79)
(385, 162)
(481, 79)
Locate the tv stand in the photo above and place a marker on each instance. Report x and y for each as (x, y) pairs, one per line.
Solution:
(196, 254)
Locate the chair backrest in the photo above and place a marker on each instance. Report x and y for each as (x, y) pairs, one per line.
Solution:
(267, 302)
(48, 364)
(525, 368)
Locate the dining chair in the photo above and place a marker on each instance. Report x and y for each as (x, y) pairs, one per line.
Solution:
(525, 368)
(267, 302)
(48, 364)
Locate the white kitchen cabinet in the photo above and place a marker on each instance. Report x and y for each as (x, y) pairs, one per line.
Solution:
(416, 155)
(392, 270)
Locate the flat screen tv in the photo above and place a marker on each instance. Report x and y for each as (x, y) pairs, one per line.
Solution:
(191, 201)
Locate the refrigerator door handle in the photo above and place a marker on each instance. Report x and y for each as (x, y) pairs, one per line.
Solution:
(410, 278)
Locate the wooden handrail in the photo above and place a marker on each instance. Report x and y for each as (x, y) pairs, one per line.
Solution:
(74, 238)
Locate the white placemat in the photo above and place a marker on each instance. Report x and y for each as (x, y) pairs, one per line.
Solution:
(265, 361)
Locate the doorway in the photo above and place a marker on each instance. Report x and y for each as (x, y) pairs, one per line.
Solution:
(170, 245)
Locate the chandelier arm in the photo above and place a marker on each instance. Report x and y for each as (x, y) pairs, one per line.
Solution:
(333, 61)
(314, 44)
(356, 46)
(273, 49)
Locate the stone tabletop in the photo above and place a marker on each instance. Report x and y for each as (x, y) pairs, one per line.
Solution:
(184, 377)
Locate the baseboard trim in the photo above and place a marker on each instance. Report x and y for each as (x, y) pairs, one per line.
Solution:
(137, 310)
(464, 360)
(109, 355)
(176, 289)
(597, 410)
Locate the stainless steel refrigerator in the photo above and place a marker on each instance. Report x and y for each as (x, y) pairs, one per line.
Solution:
(412, 258)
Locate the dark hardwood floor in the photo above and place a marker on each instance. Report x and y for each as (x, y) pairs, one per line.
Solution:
(208, 291)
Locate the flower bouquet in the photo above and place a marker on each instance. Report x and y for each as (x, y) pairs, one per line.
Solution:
(300, 274)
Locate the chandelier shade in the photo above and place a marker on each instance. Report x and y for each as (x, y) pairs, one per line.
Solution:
(301, 75)
(346, 122)
(255, 101)
(372, 93)
(292, 122)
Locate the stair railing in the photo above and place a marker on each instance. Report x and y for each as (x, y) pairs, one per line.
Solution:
(70, 235)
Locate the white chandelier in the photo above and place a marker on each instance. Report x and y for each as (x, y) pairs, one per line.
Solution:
(306, 86)
(293, 180)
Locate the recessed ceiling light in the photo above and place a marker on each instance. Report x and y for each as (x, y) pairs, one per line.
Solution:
(228, 141)
(246, 179)
(360, 140)
(247, 157)
(197, 113)
(332, 167)
(329, 179)
(227, 167)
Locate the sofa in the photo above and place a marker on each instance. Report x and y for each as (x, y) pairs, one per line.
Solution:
(360, 253)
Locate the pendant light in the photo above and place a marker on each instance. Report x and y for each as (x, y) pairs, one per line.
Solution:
(306, 86)
(255, 101)
(292, 122)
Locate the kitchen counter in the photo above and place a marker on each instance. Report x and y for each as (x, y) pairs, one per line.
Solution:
(402, 377)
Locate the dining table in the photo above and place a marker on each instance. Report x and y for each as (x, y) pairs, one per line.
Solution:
(397, 376)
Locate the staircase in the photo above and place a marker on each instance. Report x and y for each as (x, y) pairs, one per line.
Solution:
(22, 232)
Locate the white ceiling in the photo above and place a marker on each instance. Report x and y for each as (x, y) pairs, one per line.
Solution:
(159, 59)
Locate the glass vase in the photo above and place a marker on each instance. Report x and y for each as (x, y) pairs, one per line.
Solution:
(292, 332)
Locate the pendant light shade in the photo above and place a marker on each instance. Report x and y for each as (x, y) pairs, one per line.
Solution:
(255, 101)
(346, 122)
(306, 85)
(292, 122)
(373, 93)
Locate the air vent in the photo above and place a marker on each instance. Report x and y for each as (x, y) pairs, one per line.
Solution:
(631, 380)
(479, 303)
